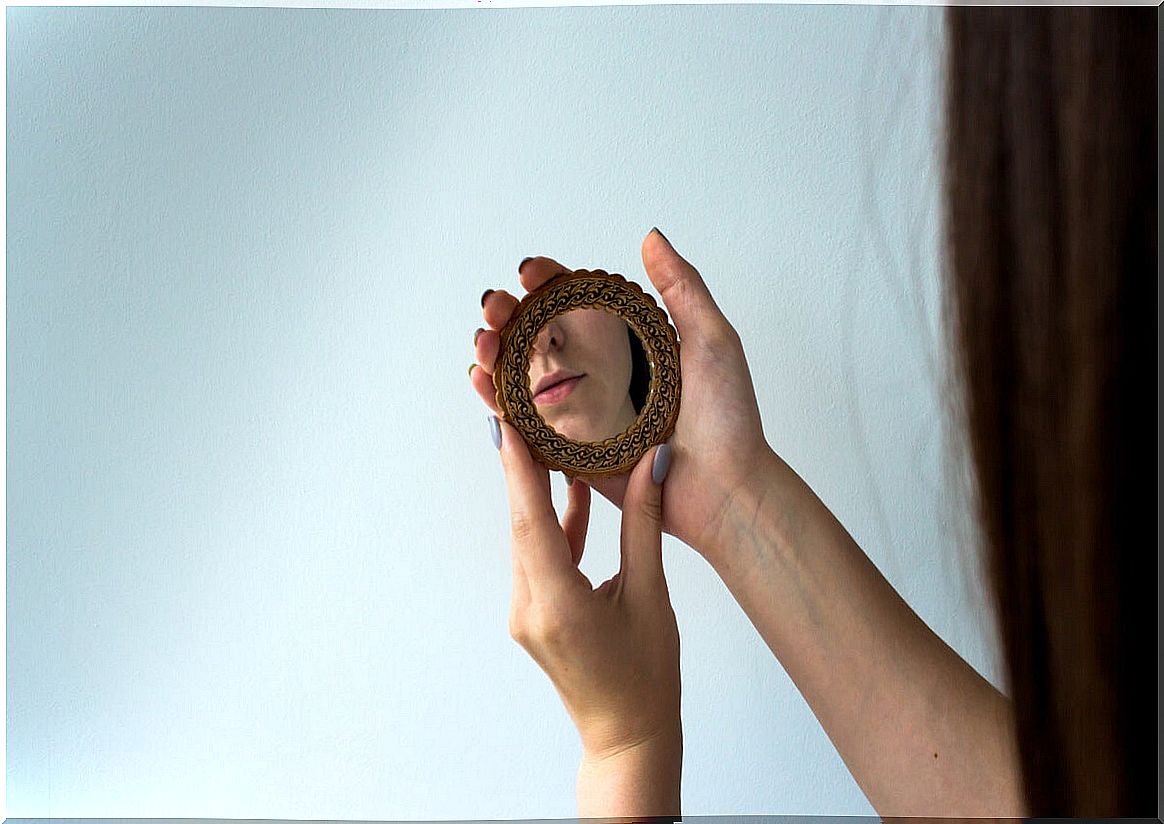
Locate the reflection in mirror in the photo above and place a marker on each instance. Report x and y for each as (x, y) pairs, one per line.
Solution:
(588, 374)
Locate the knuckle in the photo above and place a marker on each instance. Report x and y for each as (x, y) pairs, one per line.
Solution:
(722, 344)
(652, 507)
(547, 628)
(522, 526)
(518, 630)
(725, 335)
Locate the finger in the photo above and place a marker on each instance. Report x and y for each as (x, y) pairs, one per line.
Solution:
(688, 300)
(521, 597)
(577, 519)
(642, 523)
(520, 600)
(486, 347)
(482, 383)
(611, 487)
(496, 308)
(542, 550)
(537, 270)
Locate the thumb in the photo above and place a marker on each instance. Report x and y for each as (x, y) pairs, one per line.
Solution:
(642, 522)
(684, 293)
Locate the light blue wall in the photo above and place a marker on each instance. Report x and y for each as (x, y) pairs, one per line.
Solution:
(257, 549)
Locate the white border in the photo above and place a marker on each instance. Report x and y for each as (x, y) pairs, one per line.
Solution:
(446, 4)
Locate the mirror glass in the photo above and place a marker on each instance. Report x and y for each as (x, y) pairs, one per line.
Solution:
(588, 374)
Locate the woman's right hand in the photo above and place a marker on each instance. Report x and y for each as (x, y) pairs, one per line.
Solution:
(719, 451)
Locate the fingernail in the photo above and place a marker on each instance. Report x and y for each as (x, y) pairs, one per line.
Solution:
(656, 230)
(661, 463)
(487, 293)
(524, 261)
(495, 431)
(472, 366)
(476, 335)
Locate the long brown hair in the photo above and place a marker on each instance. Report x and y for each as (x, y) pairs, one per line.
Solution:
(1050, 199)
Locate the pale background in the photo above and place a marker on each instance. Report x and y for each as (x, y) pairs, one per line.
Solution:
(257, 536)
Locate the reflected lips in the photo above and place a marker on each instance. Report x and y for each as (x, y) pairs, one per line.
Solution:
(558, 391)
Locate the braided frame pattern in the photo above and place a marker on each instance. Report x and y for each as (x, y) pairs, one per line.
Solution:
(588, 289)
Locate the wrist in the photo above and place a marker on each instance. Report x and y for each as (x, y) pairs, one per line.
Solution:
(638, 780)
(762, 509)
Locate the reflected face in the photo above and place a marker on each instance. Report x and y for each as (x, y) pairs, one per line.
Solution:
(579, 375)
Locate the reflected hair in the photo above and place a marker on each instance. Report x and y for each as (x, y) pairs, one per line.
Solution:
(640, 380)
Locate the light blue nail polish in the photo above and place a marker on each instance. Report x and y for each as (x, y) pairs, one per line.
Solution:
(495, 431)
(661, 464)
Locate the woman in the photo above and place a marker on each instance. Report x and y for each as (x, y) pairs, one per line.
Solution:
(1051, 234)
(585, 373)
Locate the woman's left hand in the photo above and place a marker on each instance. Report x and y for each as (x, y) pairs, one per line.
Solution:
(612, 653)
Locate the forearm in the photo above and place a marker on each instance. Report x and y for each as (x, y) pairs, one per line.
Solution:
(642, 781)
(921, 732)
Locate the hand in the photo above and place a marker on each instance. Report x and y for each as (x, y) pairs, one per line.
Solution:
(720, 454)
(611, 652)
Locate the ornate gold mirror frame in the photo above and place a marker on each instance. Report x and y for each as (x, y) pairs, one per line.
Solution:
(586, 289)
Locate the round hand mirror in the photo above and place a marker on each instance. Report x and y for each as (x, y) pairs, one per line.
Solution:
(588, 373)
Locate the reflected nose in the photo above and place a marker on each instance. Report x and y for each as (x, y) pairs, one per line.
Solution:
(550, 337)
